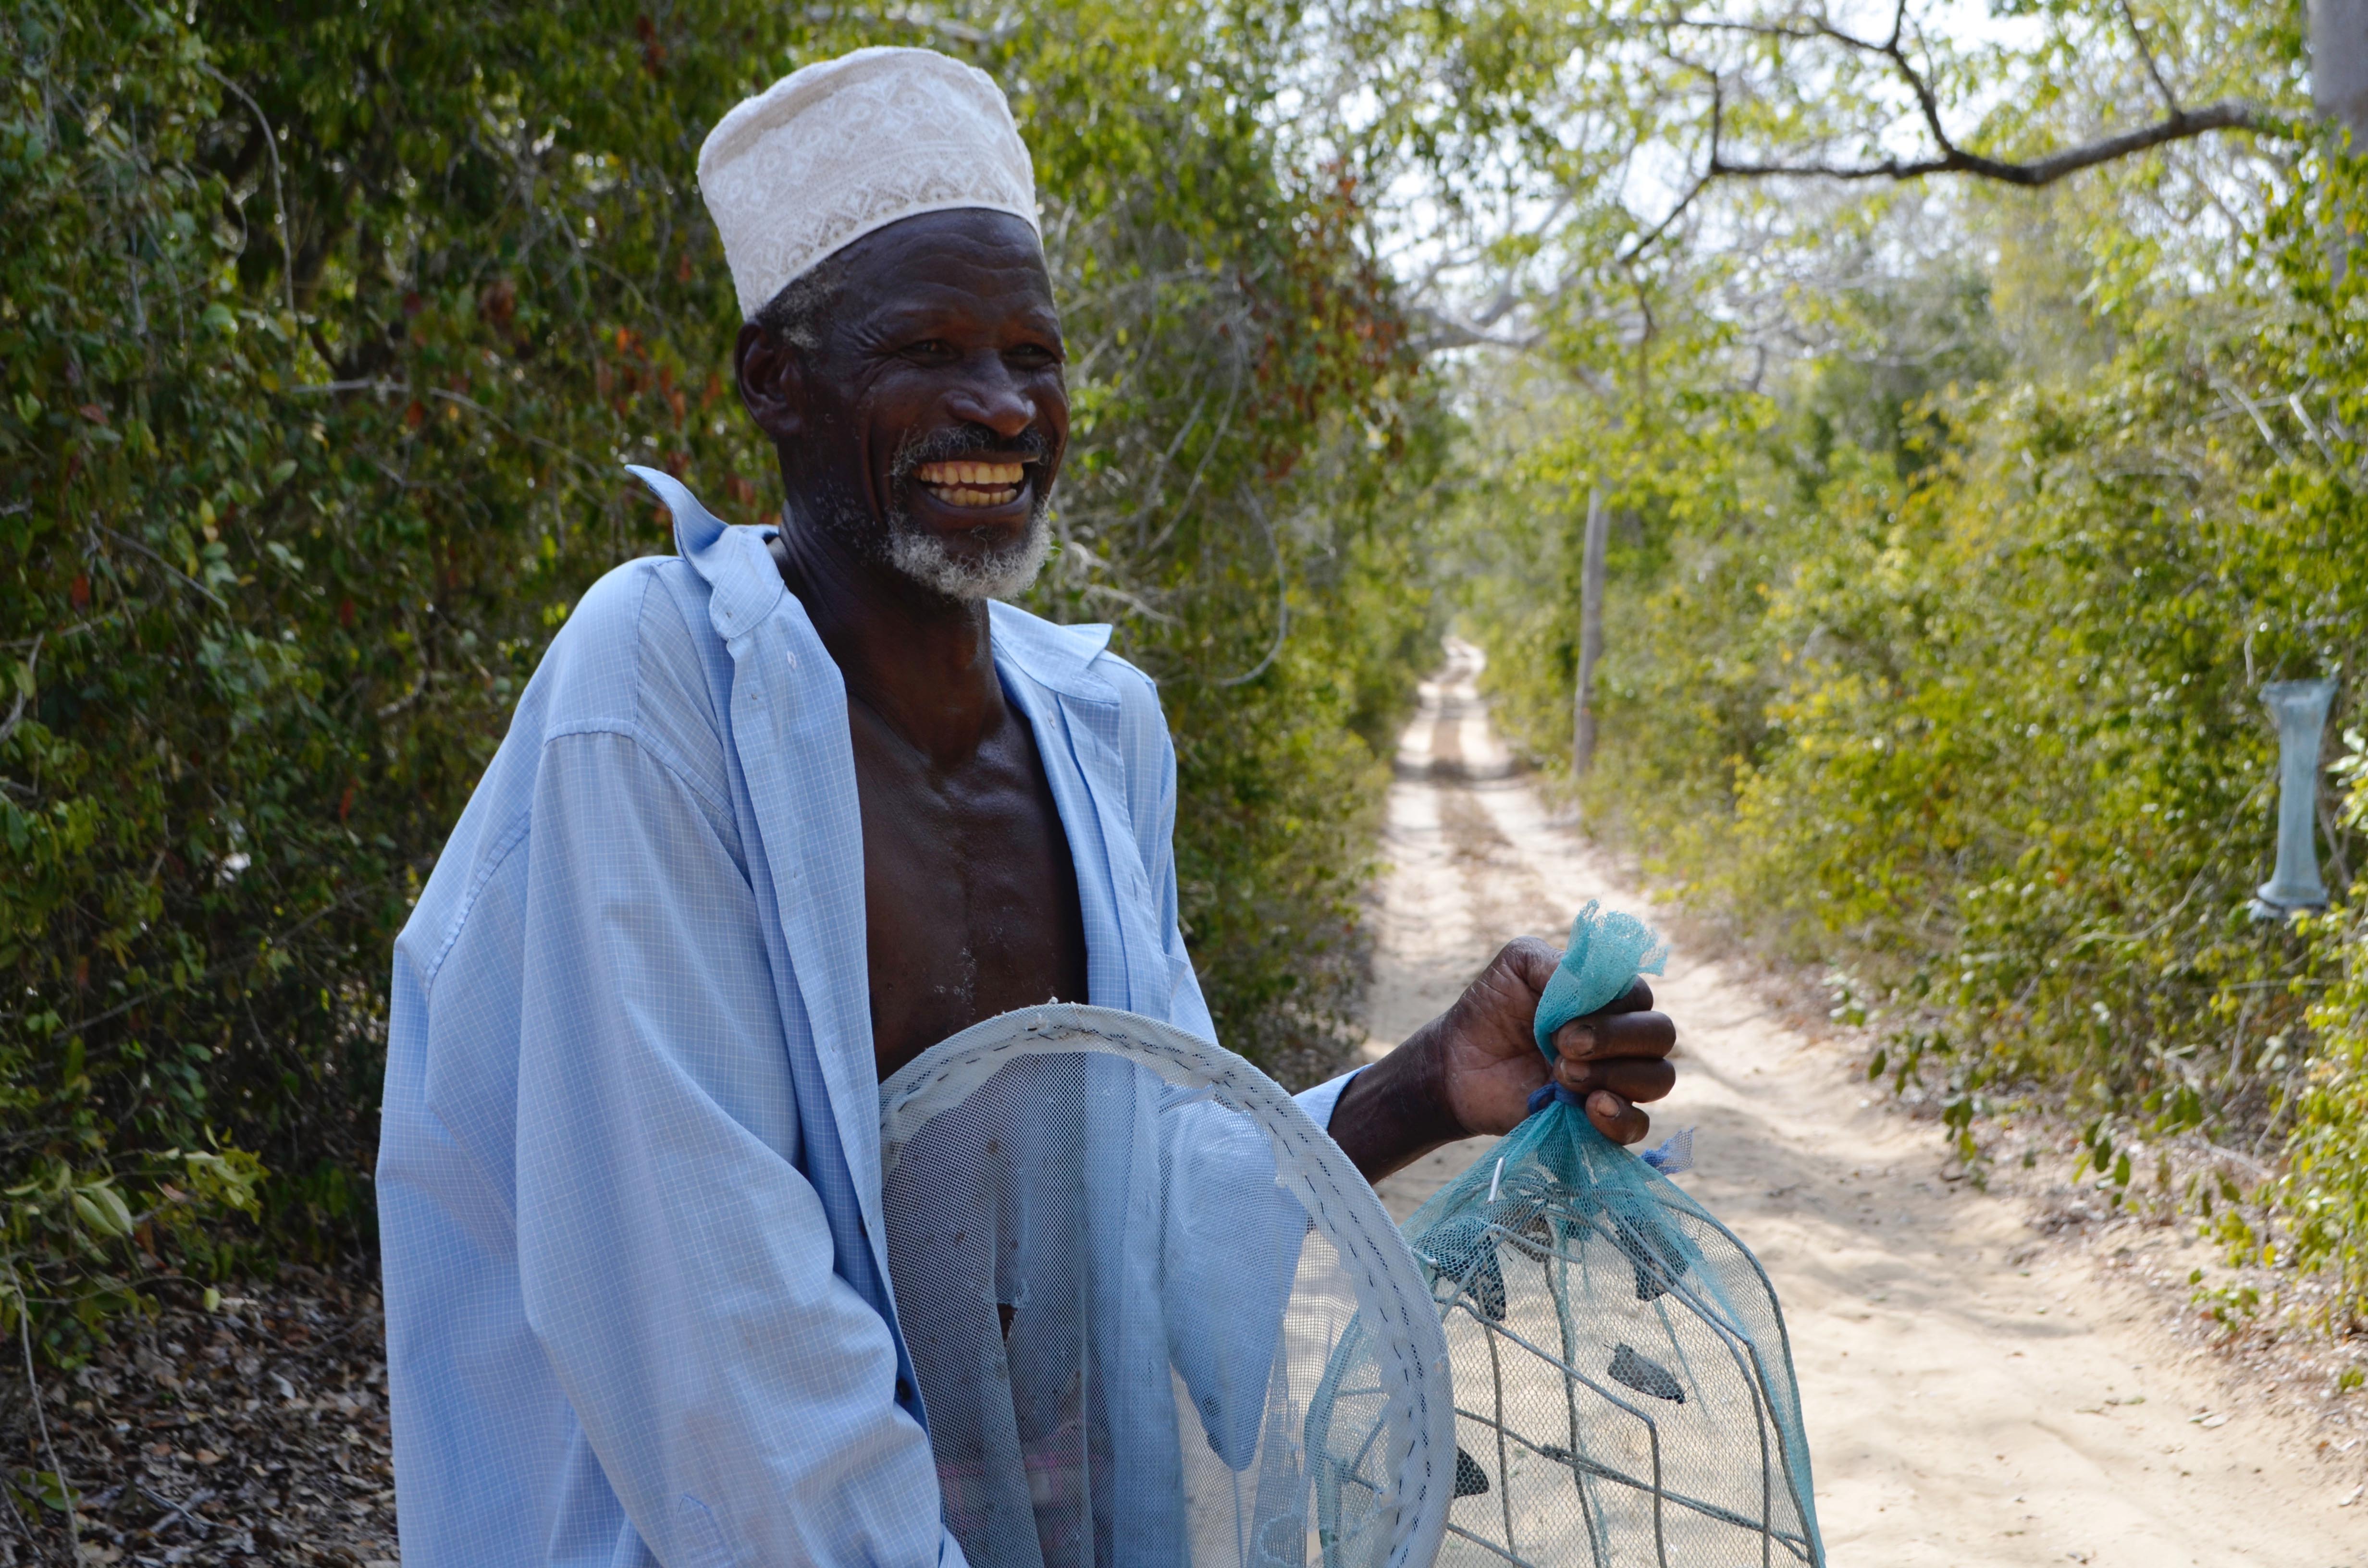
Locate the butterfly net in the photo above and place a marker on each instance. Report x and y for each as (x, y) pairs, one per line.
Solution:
(1623, 1384)
(1127, 1267)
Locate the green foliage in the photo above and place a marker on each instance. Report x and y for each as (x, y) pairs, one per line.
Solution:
(323, 334)
(1954, 682)
(2323, 1189)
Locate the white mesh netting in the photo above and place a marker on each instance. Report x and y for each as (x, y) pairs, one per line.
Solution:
(1156, 1316)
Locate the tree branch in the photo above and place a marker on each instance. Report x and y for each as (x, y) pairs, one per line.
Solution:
(1718, 124)
(1281, 596)
(16, 709)
(2177, 125)
(2153, 73)
(2184, 125)
(278, 195)
(1444, 331)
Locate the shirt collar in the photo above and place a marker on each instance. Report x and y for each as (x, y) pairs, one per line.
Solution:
(1059, 657)
(744, 587)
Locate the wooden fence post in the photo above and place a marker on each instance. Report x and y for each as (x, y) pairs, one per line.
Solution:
(1590, 634)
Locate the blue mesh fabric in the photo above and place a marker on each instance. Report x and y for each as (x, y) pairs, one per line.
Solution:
(1623, 1384)
(1608, 950)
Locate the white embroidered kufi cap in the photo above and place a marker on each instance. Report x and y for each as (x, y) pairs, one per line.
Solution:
(840, 148)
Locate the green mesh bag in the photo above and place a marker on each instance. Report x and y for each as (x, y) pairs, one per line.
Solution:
(1622, 1381)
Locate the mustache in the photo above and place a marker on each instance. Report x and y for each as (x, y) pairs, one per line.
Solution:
(955, 442)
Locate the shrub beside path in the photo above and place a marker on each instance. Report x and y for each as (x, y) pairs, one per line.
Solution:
(1978, 1391)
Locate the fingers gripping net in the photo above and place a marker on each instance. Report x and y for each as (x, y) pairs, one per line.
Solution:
(1125, 1264)
(1623, 1384)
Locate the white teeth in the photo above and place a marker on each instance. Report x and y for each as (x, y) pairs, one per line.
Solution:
(973, 473)
(972, 483)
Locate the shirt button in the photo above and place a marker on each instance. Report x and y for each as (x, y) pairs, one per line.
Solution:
(904, 1391)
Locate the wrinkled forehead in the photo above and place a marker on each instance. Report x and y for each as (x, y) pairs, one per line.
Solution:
(965, 261)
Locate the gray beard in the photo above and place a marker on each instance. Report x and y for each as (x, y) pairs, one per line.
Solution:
(922, 557)
(1002, 574)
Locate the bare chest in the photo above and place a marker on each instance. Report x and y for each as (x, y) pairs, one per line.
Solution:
(969, 893)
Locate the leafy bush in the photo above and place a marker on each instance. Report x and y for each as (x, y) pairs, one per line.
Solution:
(1971, 709)
(324, 332)
(2323, 1191)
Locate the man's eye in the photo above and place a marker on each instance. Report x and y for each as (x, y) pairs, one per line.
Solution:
(930, 348)
(1034, 356)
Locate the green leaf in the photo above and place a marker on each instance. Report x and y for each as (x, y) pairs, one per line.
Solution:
(102, 1209)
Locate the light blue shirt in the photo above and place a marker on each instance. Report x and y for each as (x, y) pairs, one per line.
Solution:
(629, 1174)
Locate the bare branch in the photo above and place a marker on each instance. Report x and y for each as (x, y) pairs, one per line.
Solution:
(1500, 304)
(1443, 331)
(1710, 172)
(2177, 125)
(1281, 596)
(1134, 604)
(278, 196)
(1894, 49)
(17, 711)
(2138, 36)
(2236, 396)
(1652, 236)
(2184, 126)
(184, 576)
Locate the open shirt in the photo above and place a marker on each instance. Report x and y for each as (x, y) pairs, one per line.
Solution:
(629, 1176)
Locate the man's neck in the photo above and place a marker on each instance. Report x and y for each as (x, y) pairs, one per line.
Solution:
(922, 662)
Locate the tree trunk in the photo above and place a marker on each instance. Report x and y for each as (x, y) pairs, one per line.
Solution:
(1590, 634)
(2338, 65)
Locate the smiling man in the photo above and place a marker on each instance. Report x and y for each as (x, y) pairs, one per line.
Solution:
(776, 814)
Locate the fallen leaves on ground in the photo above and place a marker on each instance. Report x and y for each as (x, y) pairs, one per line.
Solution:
(254, 1434)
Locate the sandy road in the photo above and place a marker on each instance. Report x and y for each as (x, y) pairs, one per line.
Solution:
(1975, 1394)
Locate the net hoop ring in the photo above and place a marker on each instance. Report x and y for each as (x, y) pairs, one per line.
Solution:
(1393, 1296)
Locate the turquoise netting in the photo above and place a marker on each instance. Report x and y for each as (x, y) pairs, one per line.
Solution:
(1622, 1381)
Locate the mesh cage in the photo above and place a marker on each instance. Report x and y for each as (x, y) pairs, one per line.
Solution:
(1129, 1268)
(1623, 1382)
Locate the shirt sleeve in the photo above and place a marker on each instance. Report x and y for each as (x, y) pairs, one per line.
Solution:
(676, 1264)
(1230, 1251)
(1323, 1098)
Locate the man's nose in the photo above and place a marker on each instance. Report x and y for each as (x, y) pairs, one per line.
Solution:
(990, 396)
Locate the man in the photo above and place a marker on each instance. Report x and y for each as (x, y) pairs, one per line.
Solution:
(775, 815)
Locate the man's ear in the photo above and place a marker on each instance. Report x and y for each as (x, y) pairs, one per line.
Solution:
(772, 382)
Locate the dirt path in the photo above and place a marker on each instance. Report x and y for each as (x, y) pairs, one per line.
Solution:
(1976, 1394)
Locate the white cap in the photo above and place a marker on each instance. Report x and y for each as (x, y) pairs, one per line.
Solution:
(839, 148)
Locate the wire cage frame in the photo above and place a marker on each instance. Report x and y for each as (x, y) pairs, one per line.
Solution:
(1622, 1378)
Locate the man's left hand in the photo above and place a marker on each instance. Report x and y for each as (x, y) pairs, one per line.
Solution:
(1472, 1070)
